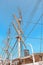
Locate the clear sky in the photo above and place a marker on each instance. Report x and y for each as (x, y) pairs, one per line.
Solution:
(31, 12)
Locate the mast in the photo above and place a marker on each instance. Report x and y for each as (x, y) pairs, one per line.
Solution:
(18, 30)
(6, 49)
(19, 40)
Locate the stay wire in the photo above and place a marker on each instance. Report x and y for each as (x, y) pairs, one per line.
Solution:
(33, 27)
(33, 12)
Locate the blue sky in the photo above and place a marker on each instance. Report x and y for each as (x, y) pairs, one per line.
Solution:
(31, 12)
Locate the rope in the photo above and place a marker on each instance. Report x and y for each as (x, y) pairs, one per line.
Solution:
(33, 27)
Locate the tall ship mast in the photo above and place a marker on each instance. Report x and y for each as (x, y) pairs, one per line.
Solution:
(21, 59)
(18, 48)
